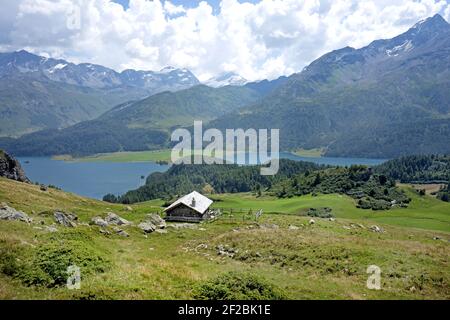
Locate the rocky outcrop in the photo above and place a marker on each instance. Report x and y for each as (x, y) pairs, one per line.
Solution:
(153, 223)
(147, 227)
(121, 232)
(113, 218)
(99, 222)
(156, 220)
(11, 214)
(10, 168)
(65, 219)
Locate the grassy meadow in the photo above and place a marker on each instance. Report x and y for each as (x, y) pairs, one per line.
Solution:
(310, 153)
(138, 156)
(159, 155)
(325, 260)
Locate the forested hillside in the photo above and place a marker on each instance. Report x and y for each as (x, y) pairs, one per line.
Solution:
(418, 169)
(134, 126)
(182, 179)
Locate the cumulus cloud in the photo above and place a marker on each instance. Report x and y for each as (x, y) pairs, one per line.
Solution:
(257, 40)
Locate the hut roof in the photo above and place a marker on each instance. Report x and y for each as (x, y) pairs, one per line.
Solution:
(199, 204)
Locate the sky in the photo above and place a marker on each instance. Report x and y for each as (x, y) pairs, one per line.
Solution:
(255, 39)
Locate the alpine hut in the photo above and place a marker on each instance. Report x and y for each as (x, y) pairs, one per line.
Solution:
(193, 207)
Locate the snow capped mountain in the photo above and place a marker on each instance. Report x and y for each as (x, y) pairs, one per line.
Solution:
(95, 76)
(226, 79)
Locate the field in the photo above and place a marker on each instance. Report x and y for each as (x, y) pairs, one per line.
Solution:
(311, 153)
(325, 260)
(430, 189)
(139, 156)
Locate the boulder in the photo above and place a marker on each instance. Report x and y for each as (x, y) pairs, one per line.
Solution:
(11, 214)
(376, 229)
(312, 221)
(113, 218)
(225, 250)
(291, 227)
(65, 219)
(121, 232)
(105, 232)
(147, 227)
(51, 229)
(99, 222)
(10, 168)
(156, 220)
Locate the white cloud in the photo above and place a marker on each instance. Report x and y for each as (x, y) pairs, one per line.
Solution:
(172, 9)
(263, 40)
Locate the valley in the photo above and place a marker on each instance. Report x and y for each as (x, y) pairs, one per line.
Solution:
(366, 103)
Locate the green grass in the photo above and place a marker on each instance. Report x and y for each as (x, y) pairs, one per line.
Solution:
(139, 156)
(136, 156)
(327, 260)
(310, 153)
(423, 212)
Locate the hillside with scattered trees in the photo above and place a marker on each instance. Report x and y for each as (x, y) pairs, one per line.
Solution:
(182, 179)
(418, 169)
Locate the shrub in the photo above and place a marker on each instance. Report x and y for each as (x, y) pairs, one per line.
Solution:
(238, 286)
(47, 265)
(54, 259)
(324, 213)
(9, 261)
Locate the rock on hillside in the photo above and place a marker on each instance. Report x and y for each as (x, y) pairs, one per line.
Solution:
(10, 168)
(11, 214)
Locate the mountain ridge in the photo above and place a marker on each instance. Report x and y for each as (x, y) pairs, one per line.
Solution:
(388, 99)
(387, 87)
(95, 75)
(41, 93)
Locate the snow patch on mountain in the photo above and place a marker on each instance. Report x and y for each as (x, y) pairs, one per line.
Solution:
(226, 79)
(59, 66)
(397, 50)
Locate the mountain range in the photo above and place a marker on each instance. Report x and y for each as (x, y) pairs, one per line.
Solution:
(43, 93)
(387, 99)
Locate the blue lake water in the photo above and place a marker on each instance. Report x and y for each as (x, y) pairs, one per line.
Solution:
(95, 179)
(90, 179)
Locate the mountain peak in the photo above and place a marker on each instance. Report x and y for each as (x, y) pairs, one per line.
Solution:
(434, 23)
(24, 53)
(226, 79)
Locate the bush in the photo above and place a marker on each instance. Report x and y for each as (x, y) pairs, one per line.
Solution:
(9, 262)
(238, 286)
(374, 204)
(323, 213)
(48, 264)
(54, 259)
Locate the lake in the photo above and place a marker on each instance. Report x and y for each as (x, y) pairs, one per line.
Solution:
(96, 179)
(90, 179)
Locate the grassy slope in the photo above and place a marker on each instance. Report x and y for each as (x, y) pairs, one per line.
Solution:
(139, 156)
(321, 261)
(132, 156)
(423, 212)
(311, 153)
